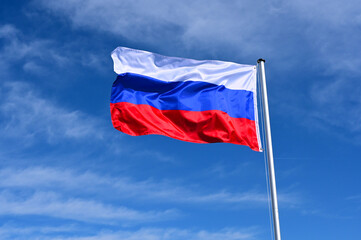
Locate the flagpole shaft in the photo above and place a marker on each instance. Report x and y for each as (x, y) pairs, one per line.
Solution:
(276, 223)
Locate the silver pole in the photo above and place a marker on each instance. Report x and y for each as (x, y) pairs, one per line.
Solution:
(271, 170)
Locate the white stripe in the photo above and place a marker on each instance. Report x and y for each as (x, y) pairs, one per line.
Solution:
(174, 69)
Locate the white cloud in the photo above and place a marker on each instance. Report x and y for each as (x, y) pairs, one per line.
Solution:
(192, 24)
(338, 104)
(9, 231)
(41, 55)
(156, 155)
(355, 199)
(256, 28)
(53, 205)
(60, 232)
(66, 194)
(8, 31)
(34, 54)
(174, 234)
(330, 32)
(29, 116)
(121, 188)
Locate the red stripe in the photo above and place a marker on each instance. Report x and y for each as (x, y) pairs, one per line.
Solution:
(199, 127)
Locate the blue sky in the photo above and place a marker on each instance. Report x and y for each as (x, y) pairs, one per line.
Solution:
(67, 174)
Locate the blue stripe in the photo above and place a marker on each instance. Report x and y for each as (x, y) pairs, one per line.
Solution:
(188, 95)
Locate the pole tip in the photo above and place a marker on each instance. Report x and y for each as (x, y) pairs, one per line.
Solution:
(261, 60)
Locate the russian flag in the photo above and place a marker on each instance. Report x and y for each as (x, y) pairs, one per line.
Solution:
(196, 101)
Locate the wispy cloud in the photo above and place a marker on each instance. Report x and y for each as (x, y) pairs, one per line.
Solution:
(225, 27)
(355, 199)
(196, 26)
(66, 194)
(174, 234)
(320, 27)
(221, 170)
(156, 155)
(32, 54)
(8, 31)
(60, 232)
(29, 116)
(9, 231)
(39, 56)
(52, 205)
(325, 214)
(126, 188)
(337, 106)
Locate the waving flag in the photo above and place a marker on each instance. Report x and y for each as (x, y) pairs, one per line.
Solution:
(196, 101)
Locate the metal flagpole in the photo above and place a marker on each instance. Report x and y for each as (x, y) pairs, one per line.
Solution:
(276, 223)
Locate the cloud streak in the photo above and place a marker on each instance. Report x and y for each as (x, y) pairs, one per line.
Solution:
(216, 26)
(29, 116)
(10, 232)
(124, 188)
(52, 205)
(33, 55)
(40, 56)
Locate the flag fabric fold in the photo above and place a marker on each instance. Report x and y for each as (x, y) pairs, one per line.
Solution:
(196, 101)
